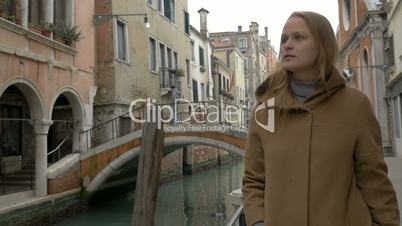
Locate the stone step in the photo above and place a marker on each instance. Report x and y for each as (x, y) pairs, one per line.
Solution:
(18, 177)
(25, 172)
(18, 183)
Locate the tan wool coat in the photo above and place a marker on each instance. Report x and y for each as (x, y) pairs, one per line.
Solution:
(322, 165)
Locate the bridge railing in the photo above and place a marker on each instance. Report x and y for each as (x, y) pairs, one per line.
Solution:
(113, 128)
(203, 112)
(238, 218)
(236, 199)
(57, 153)
(215, 112)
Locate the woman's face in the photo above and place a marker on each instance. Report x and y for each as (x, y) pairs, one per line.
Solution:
(298, 49)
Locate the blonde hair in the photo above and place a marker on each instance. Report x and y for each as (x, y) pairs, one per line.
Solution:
(324, 37)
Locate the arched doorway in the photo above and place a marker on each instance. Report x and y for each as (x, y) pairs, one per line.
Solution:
(20, 105)
(67, 115)
(60, 138)
(16, 130)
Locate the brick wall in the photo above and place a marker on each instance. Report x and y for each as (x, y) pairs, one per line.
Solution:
(172, 166)
(65, 182)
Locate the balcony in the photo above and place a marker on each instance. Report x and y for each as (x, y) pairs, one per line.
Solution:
(169, 78)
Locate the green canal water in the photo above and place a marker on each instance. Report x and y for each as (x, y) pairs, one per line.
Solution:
(199, 199)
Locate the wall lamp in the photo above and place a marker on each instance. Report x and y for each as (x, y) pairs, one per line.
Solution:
(104, 17)
(347, 72)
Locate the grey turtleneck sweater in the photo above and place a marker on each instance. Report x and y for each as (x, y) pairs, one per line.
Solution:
(301, 90)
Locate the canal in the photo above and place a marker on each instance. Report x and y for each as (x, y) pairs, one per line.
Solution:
(199, 199)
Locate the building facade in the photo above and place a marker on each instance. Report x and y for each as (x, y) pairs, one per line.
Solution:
(393, 58)
(230, 57)
(140, 62)
(248, 42)
(200, 81)
(46, 84)
(269, 51)
(361, 40)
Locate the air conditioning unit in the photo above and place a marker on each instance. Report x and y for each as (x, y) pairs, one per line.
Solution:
(202, 69)
(347, 74)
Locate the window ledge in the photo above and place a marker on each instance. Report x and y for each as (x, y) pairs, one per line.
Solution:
(123, 62)
(36, 37)
(167, 19)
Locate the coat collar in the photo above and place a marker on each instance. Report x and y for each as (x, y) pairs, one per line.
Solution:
(324, 91)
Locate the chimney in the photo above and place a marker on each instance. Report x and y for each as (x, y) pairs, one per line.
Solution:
(203, 22)
(266, 32)
(239, 28)
(254, 27)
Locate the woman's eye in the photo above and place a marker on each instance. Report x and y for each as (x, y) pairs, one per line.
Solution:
(284, 40)
(298, 37)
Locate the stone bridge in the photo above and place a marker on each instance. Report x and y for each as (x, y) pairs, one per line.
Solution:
(90, 169)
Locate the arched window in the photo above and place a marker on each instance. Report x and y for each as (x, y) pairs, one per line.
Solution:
(346, 14)
(365, 72)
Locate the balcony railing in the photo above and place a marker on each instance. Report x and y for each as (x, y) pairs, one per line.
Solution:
(168, 78)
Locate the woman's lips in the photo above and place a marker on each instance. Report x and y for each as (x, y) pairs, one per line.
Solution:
(288, 56)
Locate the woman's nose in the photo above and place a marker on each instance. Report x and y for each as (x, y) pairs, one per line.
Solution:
(288, 44)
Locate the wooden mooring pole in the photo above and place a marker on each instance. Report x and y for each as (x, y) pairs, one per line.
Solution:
(148, 175)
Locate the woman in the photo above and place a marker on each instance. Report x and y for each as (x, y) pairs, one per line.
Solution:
(314, 154)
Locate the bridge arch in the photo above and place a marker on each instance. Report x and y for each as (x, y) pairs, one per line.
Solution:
(179, 139)
(32, 94)
(188, 140)
(112, 167)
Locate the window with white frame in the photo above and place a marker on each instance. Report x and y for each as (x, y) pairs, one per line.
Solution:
(152, 55)
(169, 58)
(192, 51)
(122, 52)
(176, 60)
(203, 98)
(162, 55)
(186, 22)
(170, 10)
(222, 82)
(245, 65)
(202, 57)
(242, 43)
(188, 72)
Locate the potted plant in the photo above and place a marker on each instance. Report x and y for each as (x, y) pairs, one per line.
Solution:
(11, 18)
(35, 28)
(70, 34)
(58, 38)
(46, 27)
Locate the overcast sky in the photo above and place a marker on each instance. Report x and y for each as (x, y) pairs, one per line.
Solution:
(226, 15)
